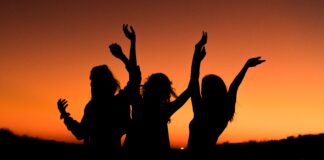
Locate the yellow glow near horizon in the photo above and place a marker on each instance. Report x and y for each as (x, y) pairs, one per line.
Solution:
(48, 48)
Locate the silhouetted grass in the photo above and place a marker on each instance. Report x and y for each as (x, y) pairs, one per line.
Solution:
(302, 147)
(9, 138)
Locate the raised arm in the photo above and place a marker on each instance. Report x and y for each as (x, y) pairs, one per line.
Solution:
(198, 56)
(134, 71)
(132, 90)
(72, 125)
(116, 51)
(135, 76)
(193, 87)
(132, 37)
(131, 63)
(252, 62)
(177, 103)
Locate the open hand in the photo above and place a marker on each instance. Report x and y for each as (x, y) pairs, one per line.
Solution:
(202, 41)
(200, 55)
(252, 62)
(129, 34)
(61, 105)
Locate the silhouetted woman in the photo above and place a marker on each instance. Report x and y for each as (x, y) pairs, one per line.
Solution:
(107, 115)
(214, 107)
(152, 109)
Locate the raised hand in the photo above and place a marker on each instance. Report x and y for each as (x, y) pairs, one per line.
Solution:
(129, 34)
(201, 55)
(202, 41)
(200, 50)
(252, 62)
(61, 105)
(116, 51)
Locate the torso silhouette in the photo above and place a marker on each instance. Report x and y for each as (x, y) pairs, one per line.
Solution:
(150, 116)
(104, 121)
(149, 131)
(213, 108)
(205, 128)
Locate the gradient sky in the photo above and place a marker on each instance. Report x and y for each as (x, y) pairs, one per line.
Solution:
(47, 49)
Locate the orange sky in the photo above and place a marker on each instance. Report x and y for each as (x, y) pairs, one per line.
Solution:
(47, 49)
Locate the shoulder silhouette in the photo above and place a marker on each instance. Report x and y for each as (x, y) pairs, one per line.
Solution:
(152, 109)
(213, 106)
(107, 115)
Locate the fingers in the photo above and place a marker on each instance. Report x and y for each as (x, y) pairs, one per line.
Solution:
(203, 50)
(203, 39)
(125, 26)
(62, 103)
(132, 29)
(261, 61)
(255, 61)
(130, 34)
(125, 29)
(205, 36)
(258, 59)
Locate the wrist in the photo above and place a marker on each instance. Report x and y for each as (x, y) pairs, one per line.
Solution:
(64, 115)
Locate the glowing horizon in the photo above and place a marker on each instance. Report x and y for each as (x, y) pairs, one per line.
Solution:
(48, 49)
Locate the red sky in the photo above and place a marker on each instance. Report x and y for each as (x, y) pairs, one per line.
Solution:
(47, 49)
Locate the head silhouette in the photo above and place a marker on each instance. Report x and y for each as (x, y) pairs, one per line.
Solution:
(158, 87)
(214, 93)
(103, 82)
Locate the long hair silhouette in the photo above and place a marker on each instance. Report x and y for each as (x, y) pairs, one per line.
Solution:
(214, 107)
(152, 109)
(103, 82)
(105, 112)
(214, 93)
(107, 115)
(158, 87)
(149, 137)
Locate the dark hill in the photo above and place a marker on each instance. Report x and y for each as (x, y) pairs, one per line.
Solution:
(9, 138)
(302, 147)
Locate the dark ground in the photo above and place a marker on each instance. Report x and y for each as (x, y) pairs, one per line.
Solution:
(303, 147)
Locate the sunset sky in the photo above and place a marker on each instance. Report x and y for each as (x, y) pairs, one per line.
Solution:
(47, 49)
